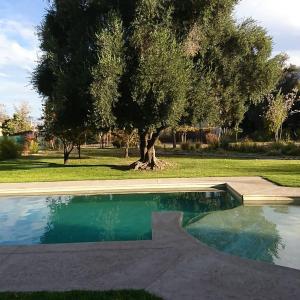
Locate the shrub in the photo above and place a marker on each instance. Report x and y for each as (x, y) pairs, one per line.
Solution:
(261, 136)
(33, 147)
(294, 152)
(225, 140)
(159, 144)
(185, 146)
(198, 146)
(9, 149)
(212, 140)
(272, 149)
(287, 148)
(118, 143)
(274, 152)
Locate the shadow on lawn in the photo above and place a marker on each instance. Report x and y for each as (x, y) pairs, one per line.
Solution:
(30, 165)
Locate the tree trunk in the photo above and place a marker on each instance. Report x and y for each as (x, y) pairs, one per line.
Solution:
(126, 150)
(107, 140)
(68, 148)
(100, 139)
(280, 134)
(148, 160)
(174, 139)
(52, 144)
(236, 134)
(79, 151)
(143, 145)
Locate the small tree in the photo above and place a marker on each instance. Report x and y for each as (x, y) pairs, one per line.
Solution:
(20, 121)
(126, 138)
(279, 107)
(3, 114)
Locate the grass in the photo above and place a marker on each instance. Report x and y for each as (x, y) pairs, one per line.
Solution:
(109, 164)
(80, 295)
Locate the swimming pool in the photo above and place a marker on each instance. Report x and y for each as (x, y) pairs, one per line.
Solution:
(76, 219)
(266, 233)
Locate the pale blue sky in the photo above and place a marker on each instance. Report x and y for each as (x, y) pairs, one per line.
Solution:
(19, 45)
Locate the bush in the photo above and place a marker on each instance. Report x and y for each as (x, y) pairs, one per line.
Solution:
(225, 141)
(9, 149)
(272, 149)
(198, 146)
(185, 146)
(287, 148)
(33, 147)
(159, 144)
(189, 146)
(261, 136)
(247, 147)
(212, 140)
(118, 143)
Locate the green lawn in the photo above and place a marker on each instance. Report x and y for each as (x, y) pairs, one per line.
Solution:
(77, 295)
(109, 164)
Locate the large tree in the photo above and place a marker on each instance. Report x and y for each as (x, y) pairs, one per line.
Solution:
(63, 75)
(149, 65)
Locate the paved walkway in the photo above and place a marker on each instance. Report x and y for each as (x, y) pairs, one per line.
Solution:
(253, 190)
(173, 265)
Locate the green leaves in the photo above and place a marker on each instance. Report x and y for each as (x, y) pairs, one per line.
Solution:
(108, 71)
(162, 78)
(235, 61)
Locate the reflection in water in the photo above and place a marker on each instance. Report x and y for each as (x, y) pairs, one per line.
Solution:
(22, 221)
(261, 233)
(66, 219)
(122, 217)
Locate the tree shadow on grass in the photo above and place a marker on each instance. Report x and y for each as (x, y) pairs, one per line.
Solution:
(30, 165)
(113, 167)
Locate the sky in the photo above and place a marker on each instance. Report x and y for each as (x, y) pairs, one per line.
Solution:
(19, 46)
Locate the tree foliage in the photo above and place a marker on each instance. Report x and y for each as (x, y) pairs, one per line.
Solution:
(237, 70)
(108, 71)
(279, 107)
(3, 113)
(20, 122)
(63, 75)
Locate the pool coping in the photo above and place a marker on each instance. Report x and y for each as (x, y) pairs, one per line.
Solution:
(173, 265)
(252, 190)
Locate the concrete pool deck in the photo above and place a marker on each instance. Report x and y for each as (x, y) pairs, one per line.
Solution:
(252, 190)
(172, 265)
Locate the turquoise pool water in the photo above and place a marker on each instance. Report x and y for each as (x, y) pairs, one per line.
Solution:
(266, 233)
(75, 219)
